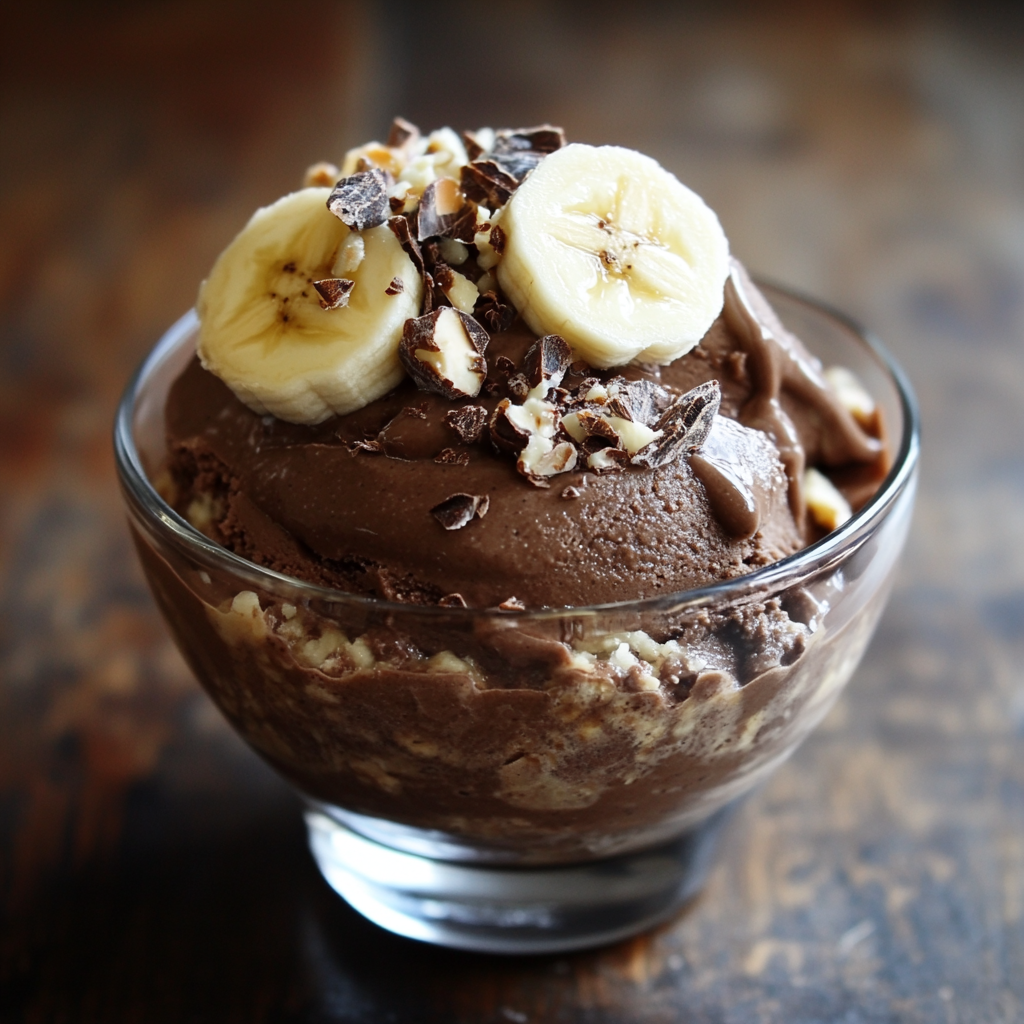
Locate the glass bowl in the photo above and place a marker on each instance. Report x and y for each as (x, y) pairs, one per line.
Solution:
(534, 781)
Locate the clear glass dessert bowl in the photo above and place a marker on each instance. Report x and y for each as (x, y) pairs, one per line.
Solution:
(523, 781)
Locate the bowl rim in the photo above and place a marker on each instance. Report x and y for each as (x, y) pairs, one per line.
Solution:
(821, 556)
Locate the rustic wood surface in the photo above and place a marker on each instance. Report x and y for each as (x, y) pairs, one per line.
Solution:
(151, 868)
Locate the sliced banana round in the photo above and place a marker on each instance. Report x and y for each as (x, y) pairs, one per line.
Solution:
(611, 251)
(263, 326)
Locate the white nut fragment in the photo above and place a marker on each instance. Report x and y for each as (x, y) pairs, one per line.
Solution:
(542, 458)
(827, 506)
(321, 175)
(350, 255)
(443, 352)
(852, 395)
(461, 292)
(453, 252)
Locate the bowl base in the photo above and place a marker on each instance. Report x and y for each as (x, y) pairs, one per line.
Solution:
(510, 910)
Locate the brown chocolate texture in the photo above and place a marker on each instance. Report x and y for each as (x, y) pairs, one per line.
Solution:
(347, 503)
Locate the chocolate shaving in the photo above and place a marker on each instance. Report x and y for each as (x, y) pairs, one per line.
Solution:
(547, 360)
(474, 147)
(334, 292)
(498, 239)
(441, 206)
(396, 287)
(452, 601)
(429, 295)
(505, 365)
(542, 139)
(460, 509)
(420, 334)
(361, 200)
(512, 604)
(403, 232)
(452, 457)
(485, 181)
(596, 426)
(498, 315)
(468, 421)
(518, 387)
(402, 133)
(685, 426)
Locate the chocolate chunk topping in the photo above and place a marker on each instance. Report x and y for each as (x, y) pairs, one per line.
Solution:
(547, 360)
(498, 239)
(467, 421)
(441, 206)
(396, 287)
(361, 200)
(460, 509)
(460, 370)
(685, 425)
(543, 139)
(499, 316)
(505, 435)
(403, 232)
(334, 292)
(402, 133)
(452, 457)
(485, 181)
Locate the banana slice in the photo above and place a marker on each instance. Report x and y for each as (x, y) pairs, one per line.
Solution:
(263, 326)
(609, 250)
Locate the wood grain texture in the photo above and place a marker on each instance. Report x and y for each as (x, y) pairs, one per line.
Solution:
(151, 868)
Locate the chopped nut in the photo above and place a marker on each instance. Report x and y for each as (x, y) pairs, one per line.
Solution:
(541, 459)
(544, 139)
(512, 604)
(478, 142)
(350, 255)
(443, 352)
(853, 396)
(403, 134)
(320, 175)
(334, 292)
(825, 501)
(460, 509)
(452, 601)
(467, 421)
(608, 460)
(396, 287)
(570, 493)
(454, 252)
(506, 435)
(361, 200)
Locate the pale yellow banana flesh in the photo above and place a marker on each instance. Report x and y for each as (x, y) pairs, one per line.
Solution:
(610, 250)
(264, 332)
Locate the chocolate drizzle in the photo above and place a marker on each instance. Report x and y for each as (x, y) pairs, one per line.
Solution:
(776, 360)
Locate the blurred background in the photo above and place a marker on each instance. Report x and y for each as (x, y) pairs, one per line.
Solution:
(868, 153)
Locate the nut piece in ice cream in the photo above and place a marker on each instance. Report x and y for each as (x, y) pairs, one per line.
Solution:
(291, 349)
(444, 352)
(608, 249)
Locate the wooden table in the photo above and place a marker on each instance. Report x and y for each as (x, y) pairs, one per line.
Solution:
(151, 868)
